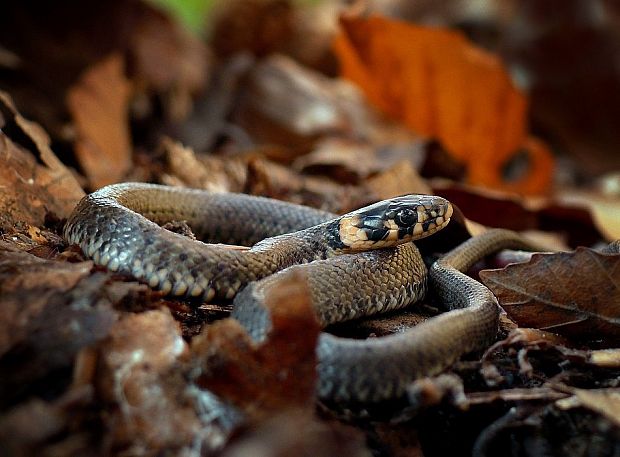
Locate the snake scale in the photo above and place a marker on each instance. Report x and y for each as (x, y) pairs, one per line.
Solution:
(357, 264)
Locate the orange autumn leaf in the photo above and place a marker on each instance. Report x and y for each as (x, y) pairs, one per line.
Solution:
(442, 86)
(99, 106)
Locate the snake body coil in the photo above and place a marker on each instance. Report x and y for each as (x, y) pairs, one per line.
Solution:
(117, 227)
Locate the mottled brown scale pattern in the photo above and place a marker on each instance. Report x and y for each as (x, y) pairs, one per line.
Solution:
(470, 324)
(345, 287)
(110, 227)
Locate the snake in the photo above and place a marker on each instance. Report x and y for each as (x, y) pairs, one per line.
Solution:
(357, 264)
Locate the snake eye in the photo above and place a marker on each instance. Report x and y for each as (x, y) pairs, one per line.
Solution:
(406, 217)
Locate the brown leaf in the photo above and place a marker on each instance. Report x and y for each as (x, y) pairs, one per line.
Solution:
(273, 180)
(168, 60)
(282, 102)
(49, 311)
(604, 209)
(134, 363)
(185, 168)
(27, 285)
(397, 180)
(344, 160)
(276, 374)
(296, 432)
(98, 104)
(33, 181)
(605, 402)
(578, 106)
(30, 423)
(285, 103)
(352, 161)
(567, 216)
(258, 26)
(515, 395)
(609, 358)
(574, 294)
(65, 39)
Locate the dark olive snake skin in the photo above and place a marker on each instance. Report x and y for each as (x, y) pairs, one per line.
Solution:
(117, 227)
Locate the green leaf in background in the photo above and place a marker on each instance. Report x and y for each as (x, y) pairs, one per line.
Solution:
(191, 13)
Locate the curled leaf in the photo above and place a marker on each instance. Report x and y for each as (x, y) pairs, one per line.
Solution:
(575, 294)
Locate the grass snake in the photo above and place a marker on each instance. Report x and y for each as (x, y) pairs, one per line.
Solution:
(357, 264)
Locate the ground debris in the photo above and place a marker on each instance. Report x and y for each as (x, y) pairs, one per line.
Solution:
(590, 311)
(96, 363)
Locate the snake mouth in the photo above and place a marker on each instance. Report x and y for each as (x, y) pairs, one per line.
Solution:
(394, 222)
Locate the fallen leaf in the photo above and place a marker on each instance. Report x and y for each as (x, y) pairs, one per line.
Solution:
(273, 180)
(49, 311)
(134, 373)
(281, 436)
(68, 39)
(577, 107)
(257, 26)
(443, 86)
(281, 102)
(186, 168)
(30, 423)
(285, 103)
(515, 395)
(605, 210)
(575, 294)
(352, 161)
(99, 105)
(167, 59)
(569, 217)
(397, 180)
(605, 402)
(344, 160)
(267, 377)
(208, 119)
(33, 182)
(27, 285)
(607, 358)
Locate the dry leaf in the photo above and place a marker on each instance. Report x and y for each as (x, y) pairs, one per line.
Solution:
(277, 181)
(32, 182)
(400, 179)
(282, 436)
(49, 311)
(344, 160)
(442, 86)
(499, 209)
(285, 103)
(168, 60)
(30, 423)
(201, 171)
(605, 210)
(258, 26)
(607, 358)
(348, 160)
(577, 106)
(605, 402)
(274, 375)
(574, 294)
(134, 374)
(98, 104)
(282, 102)
(27, 285)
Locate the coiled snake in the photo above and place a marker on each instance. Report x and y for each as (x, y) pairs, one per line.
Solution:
(357, 264)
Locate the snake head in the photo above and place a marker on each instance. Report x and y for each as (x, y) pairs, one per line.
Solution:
(391, 222)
